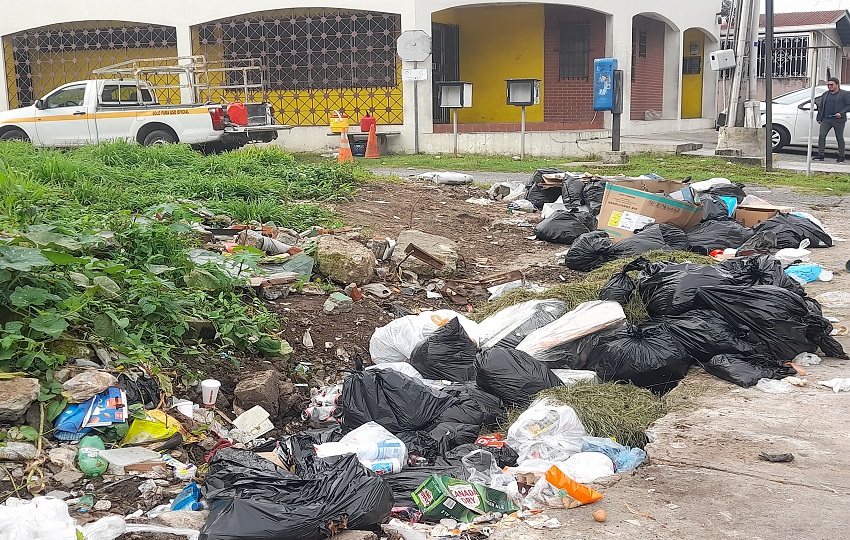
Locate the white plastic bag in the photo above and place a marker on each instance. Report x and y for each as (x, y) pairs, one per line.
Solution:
(834, 299)
(546, 431)
(401, 367)
(481, 466)
(42, 518)
(571, 377)
(395, 341)
(447, 177)
(507, 191)
(585, 319)
(773, 386)
(520, 320)
(431, 321)
(373, 445)
(837, 384)
(705, 185)
(586, 467)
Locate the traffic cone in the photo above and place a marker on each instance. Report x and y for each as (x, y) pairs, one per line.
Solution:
(372, 144)
(344, 148)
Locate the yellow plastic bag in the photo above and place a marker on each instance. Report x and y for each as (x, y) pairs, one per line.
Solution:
(158, 426)
(572, 493)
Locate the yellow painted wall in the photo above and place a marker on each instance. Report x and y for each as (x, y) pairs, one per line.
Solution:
(692, 84)
(498, 43)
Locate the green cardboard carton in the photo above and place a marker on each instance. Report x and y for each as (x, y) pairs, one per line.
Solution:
(445, 497)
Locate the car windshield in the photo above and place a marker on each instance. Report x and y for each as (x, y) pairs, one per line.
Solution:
(794, 97)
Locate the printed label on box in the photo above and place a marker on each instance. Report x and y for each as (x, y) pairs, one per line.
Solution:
(629, 221)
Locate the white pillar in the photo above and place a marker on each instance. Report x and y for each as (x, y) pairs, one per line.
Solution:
(619, 39)
(184, 48)
(421, 106)
(672, 101)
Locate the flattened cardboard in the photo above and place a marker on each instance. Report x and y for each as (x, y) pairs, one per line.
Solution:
(631, 204)
(751, 215)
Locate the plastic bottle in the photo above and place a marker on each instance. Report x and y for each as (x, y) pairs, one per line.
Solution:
(383, 466)
(381, 450)
(88, 456)
(200, 505)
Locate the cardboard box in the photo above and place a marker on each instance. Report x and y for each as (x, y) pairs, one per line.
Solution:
(750, 215)
(445, 497)
(631, 204)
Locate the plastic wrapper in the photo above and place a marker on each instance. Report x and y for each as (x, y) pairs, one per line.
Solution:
(512, 375)
(372, 444)
(760, 270)
(704, 334)
(647, 356)
(790, 230)
(556, 342)
(508, 327)
(717, 234)
(158, 426)
(564, 226)
(447, 354)
(672, 290)
(504, 455)
(837, 384)
(85, 385)
(587, 466)
(779, 318)
(557, 490)
(546, 431)
(625, 458)
(251, 497)
(481, 466)
(745, 370)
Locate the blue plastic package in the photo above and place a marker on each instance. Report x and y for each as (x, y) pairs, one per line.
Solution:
(805, 272)
(625, 458)
(731, 203)
(184, 499)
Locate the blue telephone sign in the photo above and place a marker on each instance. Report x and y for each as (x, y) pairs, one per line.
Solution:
(603, 83)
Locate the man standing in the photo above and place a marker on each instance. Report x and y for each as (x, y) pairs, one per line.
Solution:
(832, 114)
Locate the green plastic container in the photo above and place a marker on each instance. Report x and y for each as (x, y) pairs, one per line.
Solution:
(88, 456)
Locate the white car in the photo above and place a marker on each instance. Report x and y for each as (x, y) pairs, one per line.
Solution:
(790, 126)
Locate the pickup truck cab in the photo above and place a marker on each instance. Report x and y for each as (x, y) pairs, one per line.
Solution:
(93, 111)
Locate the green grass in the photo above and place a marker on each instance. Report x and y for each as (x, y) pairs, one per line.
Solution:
(668, 166)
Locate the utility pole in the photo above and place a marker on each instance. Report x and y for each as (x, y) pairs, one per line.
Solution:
(742, 32)
(768, 85)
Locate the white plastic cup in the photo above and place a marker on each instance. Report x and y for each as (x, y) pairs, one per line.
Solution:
(209, 391)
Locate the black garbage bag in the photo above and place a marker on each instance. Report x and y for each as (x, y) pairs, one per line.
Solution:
(790, 230)
(779, 318)
(540, 196)
(142, 389)
(672, 290)
(717, 234)
(658, 236)
(760, 241)
(439, 438)
(621, 286)
(392, 399)
(405, 482)
(512, 375)
(760, 270)
(564, 226)
(593, 192)
(505, 456)
(591, 250)
(473, 406)
(727, 190)
(508, 327)
(704, 334)
(251, 497)
(714, 208)
(745, 370)
(572, 192)
(447, 354)
(647, 356)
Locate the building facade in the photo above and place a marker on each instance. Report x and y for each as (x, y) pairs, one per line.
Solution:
(342, 57)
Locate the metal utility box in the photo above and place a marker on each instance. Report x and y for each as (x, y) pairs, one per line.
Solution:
(603, 83)
(723, 59)
(455, 94)
(523, 92)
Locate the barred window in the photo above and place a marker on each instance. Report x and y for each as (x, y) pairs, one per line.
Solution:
(790, 57)
(351, 50)
(574, 47)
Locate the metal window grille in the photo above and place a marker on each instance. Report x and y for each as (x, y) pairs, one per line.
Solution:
(790, 57)
(41, 59)
(634, 54)
(574, 47)
(642, 44)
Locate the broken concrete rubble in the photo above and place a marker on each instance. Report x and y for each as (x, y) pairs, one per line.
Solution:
(338, 303)
(261, 388)
(439, 247)
(344, 261)
(15, 397)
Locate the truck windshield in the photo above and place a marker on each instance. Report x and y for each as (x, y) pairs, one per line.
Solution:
(115, 94)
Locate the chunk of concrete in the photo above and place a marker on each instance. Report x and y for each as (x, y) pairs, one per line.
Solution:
(16, 395)
(338, 303)
(437, 246)
(344, 261)
(261, 388)
(615, 158)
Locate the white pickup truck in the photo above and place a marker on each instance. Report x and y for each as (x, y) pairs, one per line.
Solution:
(93, 111)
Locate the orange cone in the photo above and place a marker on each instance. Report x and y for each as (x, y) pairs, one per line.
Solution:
(372, 144)
(344, 148)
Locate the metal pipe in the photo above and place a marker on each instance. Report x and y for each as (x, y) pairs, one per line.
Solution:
(752, 87)
(416, 114)
(522, 136)
(454, 123)
(768, 85)
(740, 48)
(812, 115)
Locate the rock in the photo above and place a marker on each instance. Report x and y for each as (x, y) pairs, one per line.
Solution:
(261, 388)
(338, 303)
(71, 349)
(80, 388)
(182, 519)
(344, 261)
(16, 395)
(355, 535)
(439, 247)
(63, 456)
(67, 372)
(200, 329)
(102, 505)
(291, 402)
(68, 478)
(274, 292)
(57, 494)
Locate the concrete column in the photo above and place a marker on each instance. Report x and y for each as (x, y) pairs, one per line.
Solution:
(672, 104)
(4, 87)
(419, 19)
(619, 37)
(184, 48)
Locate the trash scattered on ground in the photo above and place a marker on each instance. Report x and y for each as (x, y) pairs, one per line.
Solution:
(837, 384)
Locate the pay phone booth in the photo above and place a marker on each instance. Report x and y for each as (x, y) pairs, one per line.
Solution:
(522, 93)
(455, 95)
(608, 94)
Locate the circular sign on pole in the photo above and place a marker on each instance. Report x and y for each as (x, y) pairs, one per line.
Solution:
(413, 46)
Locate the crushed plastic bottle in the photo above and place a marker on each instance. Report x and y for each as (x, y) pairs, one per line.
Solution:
(88, 456)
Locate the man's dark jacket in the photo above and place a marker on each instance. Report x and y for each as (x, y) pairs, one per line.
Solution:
(842, 105)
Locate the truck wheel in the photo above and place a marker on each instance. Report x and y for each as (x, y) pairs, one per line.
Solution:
(14, 135)
(159, 136)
